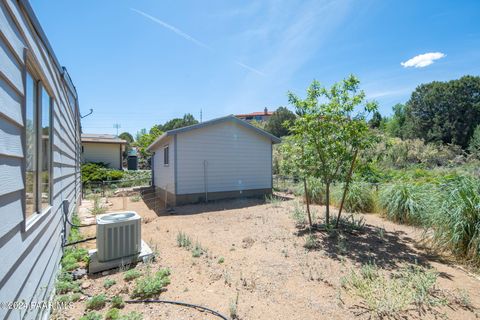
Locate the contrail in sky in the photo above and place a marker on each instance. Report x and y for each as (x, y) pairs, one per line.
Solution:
(190, 38)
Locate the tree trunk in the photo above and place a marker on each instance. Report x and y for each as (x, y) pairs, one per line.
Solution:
(345, 190)
(307, 200)
(327, 203)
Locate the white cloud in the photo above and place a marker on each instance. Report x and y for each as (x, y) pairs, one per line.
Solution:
(423, 60)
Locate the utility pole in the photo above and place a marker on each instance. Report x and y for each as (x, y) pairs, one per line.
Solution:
(201, 116)
(117, 126)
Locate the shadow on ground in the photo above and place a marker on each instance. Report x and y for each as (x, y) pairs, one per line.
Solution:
(158, 206)
(389, 250)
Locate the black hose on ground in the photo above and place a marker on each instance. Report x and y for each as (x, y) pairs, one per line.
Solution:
(179, 303)
(79, 241)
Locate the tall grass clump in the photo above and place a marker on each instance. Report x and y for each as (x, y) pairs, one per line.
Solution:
(359, 198)
(456, 223)
(408, 203)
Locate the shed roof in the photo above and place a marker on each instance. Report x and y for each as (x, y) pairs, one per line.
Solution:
(231, 118)
(102, 138)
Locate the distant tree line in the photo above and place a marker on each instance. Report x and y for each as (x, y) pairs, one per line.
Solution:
(439, 112)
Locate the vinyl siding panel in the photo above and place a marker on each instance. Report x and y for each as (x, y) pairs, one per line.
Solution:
(164, 176)
(237, 159)
(103, 152)
(10, 103)
(31, 255)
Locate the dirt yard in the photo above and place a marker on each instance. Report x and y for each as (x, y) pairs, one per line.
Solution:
(255, 250)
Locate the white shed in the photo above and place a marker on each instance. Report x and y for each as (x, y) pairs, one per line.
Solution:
(104, 148)
(217, 159)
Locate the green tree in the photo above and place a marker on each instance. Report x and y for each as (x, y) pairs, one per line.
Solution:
(126, 136)
(376, 120)
(332, 124)
(474, 144)
(279, 122)
(297, 160)
(129, 138)
(176, 123)
(395, 126)
(445, 112)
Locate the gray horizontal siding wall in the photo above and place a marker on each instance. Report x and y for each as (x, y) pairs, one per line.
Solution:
(237, 159)
(30, 257)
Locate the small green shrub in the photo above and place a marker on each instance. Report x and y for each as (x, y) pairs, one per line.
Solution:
(66, 286)
(117, 302)
(197, 250)
(273, 200)
(98, 208)
(221, 260)
(299, 215)
(233, 308)
(108, 283)
(69, 263)
(131, 274)
(183, 240)
(151, 285)
(311, 242)
(96, 302)
(91, 316)
(112, 314)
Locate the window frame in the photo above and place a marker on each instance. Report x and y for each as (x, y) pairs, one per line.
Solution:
(166, 155)
(31, 67)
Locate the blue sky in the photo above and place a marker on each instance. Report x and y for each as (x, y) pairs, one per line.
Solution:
(138, 63)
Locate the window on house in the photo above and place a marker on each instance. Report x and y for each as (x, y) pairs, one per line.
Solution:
(165, 156)
(38, 147)
(31, 145)
(45, 150)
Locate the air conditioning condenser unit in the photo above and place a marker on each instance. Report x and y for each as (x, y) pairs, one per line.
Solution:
(118, 235)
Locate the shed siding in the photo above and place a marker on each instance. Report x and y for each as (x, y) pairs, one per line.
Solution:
(30, 257)
(237, 159)
(103, 152)
(164, 176)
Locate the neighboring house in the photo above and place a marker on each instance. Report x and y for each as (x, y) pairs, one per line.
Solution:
(104, 148)
(217, 159)
(256, 116)
(39, 161)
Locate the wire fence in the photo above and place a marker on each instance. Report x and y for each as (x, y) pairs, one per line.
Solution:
(116, 195)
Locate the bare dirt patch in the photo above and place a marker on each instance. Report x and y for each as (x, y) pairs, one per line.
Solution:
(254, 249)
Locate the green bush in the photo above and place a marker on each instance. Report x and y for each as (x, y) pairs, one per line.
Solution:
(66, 286)
(96, 302)
(407, 202)
(151, 285)
(112, 314)
(108, 283)
(117, 302)
(316, 190)
(474, 144)
(98, 171)
(131, 274)
(359, 198)
(456, 223)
